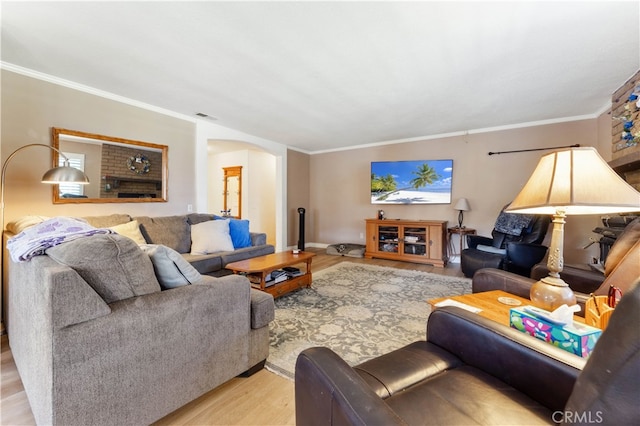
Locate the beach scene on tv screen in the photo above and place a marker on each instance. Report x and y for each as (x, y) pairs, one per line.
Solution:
(411, 182)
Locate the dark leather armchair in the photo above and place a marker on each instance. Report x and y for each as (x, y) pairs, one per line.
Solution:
(515, 245)
(471, 370)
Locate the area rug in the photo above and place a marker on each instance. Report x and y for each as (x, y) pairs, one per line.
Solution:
(360, 311)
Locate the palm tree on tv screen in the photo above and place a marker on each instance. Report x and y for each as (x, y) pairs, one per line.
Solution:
(382, 183)
(425, 175)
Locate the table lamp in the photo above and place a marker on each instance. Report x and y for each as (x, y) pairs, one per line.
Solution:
(569, 182)
(462, 206)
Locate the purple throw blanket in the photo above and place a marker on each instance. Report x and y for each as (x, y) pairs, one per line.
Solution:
(36, 239)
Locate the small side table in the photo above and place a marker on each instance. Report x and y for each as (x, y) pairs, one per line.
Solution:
(459, 231)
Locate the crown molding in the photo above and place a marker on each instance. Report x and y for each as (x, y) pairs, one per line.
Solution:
(91, 90)
(108, 95)
(467, 132)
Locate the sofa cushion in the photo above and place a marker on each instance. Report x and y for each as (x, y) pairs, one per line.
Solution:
(113, 265)
(195, 218)
(170, 267)
(211, 237)
(108, 220)
(204, 263)
(131, 230)
(245, 253)
(170, 231)
(19, 225)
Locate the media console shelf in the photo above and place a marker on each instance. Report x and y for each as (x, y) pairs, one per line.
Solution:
(419, 241)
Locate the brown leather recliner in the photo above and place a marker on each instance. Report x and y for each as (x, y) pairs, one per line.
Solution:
(587, 281)
(622, 268)
(471, 370)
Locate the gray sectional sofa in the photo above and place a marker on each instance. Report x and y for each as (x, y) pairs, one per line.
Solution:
(175, 232)
(98, 342)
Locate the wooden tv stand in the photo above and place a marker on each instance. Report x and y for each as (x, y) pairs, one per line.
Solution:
(419, 241)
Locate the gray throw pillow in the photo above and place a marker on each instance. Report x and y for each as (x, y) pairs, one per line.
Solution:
(113, 265)
(172, 270)
(170, 231)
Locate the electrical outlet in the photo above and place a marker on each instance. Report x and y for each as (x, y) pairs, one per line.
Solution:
(190, 208)
(361, 236)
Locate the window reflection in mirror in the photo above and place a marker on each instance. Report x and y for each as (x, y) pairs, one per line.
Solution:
(119, 170)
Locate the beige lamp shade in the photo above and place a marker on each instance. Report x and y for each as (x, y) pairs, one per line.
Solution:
(462, 204)
(577, 180)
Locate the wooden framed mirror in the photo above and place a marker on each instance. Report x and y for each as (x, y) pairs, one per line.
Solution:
(232, 192)
(119, 170)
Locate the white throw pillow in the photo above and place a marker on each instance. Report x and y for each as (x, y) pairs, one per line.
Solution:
(170, 267)
(130, 230)
(210, 237)
(491, 249)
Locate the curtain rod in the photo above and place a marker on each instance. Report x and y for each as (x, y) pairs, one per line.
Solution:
(534, 149)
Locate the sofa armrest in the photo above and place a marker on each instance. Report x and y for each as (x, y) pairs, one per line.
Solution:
(488, 279)
(258, 238)
(262, 306)
(330, 392)
(538, 369)
(262, 309)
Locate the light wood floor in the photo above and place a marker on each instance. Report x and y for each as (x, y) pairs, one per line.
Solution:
(262, 399)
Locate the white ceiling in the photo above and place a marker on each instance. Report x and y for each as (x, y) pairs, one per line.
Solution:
(323, 75)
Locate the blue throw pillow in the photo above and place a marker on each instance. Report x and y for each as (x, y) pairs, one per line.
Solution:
(239, 230)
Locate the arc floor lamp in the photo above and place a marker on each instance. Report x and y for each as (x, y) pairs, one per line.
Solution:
(56, 175)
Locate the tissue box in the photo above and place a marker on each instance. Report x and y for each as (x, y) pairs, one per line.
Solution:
(577, 338)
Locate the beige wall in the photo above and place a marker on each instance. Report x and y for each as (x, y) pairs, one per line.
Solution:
(30, 107)
(258, 187)
(333, 187)
(339, 182)
(261, 207)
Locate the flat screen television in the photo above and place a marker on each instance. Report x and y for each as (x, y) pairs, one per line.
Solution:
(411, 182)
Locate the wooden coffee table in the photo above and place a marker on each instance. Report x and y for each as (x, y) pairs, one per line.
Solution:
(489, 304)
(257, 269)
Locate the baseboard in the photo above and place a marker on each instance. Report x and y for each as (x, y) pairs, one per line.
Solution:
(314, 245)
